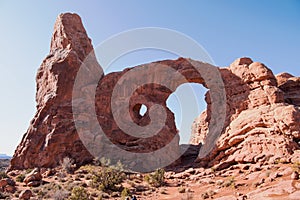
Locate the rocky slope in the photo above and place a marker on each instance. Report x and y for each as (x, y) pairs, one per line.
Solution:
(262, 118)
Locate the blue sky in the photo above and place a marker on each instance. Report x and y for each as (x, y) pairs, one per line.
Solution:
(267, 31)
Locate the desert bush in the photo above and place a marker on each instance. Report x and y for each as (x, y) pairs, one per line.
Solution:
(181, 190)
(230, 182)
(97, 161)
(28, 171)
(87, 169)
(3, 175)
(205, 195)
(296, 167)
(188, 196)
(107, 178)
(60, 194)
(79, 193)
(125, 193)
(105, 162)
(67, 165)
(156, 178)
(20, 178)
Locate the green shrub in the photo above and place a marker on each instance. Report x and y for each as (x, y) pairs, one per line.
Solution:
(20, 178)
(3, 175)
(107, 178)
(79, 193)
(105, 162)
(230, 182)
(156, 178)
(125, 193)
(28, 171)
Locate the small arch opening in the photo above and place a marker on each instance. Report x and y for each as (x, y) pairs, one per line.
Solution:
(187, 103)
(140, 110)
(143, 110)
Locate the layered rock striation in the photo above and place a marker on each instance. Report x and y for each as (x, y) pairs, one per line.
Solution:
(52, 135)
(262, 117)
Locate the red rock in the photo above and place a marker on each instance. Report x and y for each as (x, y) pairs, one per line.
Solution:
(34, 183)
(295, 175)
(261, 111)
(34, 176)
(281, 189)
(10, 189)
(3, 183)
(283, 77)
(48, 173)
(291, 87)
(259, 127)
(295, 195)
(51, 135)
(25, 195)
(10, 181)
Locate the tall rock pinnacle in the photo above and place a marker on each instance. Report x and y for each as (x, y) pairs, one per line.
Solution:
(51, 135)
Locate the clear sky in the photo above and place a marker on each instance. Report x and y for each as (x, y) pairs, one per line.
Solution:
(265, 30)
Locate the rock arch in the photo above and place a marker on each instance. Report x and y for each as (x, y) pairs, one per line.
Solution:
(261, 111)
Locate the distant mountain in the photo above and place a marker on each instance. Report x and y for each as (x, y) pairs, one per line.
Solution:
(4, 156)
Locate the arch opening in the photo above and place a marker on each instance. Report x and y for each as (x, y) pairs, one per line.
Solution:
(143, 110)
(187, 102)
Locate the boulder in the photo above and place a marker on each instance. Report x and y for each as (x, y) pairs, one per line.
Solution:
(34, 178)
(25, 195)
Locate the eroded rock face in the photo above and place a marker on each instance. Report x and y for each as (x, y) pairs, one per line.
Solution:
(262, 119)
(290, 86)
(261, 111)
(51, 135)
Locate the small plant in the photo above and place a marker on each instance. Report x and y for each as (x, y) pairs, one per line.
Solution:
(105, 162)
(108, 178)
(157, 178)
(67, 165)
(3, 175)
(211, 193)
(208, 194)
(79, 193)
(88, 169)
(96, 161)
(280, 161)
(20, 178)
(230, 182)
(125, 193)
(296, 167)
(28, 171)
(189, 196)
(213, 169)
(60, 194)
(163, 191)
(181, 189)
(205, 195)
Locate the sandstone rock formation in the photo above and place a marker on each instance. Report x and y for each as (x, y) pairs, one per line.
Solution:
(51, 135)
(262, 118)
(261, 113)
